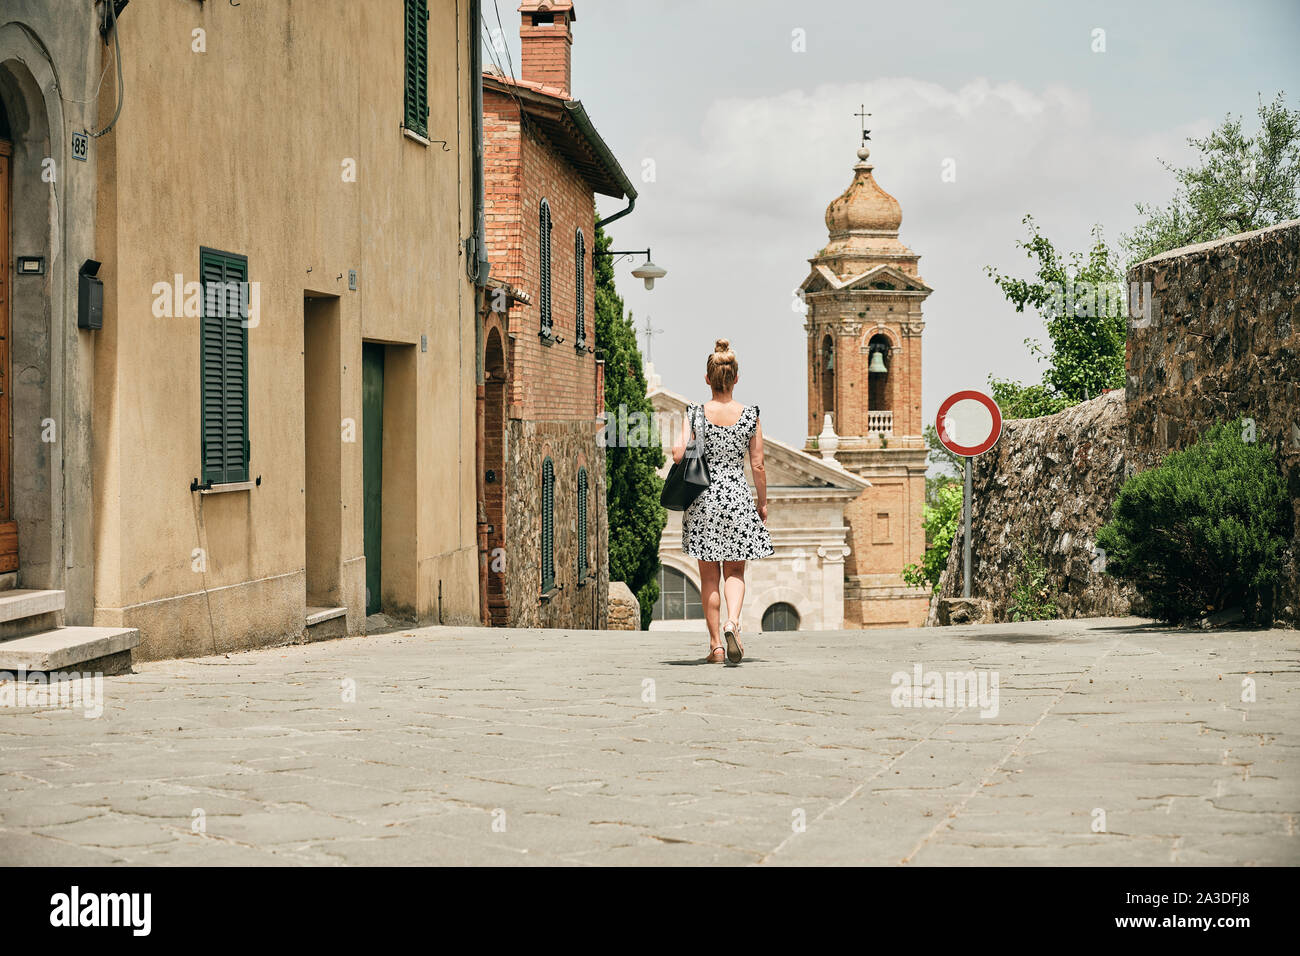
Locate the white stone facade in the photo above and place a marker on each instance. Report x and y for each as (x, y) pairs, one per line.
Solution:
(806, 498)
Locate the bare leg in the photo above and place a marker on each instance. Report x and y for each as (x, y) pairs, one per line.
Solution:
(711, 599)
(734, 572)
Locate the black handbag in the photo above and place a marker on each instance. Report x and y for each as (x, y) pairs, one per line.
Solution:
(688, 477)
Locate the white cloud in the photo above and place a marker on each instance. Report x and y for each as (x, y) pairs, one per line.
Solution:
(739, 208)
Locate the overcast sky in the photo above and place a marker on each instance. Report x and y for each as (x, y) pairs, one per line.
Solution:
(750, 140)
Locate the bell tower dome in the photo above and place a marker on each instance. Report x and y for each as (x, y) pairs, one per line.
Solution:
(864, 321)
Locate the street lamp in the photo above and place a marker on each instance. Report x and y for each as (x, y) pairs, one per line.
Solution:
(647, 270)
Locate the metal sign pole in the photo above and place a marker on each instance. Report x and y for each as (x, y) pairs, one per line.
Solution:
(966, 508)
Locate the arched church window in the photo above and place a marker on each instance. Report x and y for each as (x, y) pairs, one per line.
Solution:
(679, 599)
(781, 617)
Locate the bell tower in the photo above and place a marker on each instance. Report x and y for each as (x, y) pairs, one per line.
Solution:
(864, 323)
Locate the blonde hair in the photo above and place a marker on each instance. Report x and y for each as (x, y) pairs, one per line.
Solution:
(722, 368)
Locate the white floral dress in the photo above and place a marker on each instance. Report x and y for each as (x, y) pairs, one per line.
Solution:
(722, 524)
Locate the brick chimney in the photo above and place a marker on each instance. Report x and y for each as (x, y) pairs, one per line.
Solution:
(546, 36)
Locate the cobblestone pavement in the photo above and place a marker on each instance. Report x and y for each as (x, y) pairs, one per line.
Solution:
(1113, 743)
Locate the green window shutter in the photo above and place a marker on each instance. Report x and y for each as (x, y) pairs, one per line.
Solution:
(580, 260)
(416, 94)
(223, 363)
(544, 254)
(582, 524)
(548, 525)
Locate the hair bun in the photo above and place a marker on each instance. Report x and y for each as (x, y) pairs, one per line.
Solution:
(722, 345)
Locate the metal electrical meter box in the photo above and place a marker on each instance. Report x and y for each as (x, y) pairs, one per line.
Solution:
(90, 297)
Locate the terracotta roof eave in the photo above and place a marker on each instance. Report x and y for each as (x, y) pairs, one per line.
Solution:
(568, 124)
(576, 110)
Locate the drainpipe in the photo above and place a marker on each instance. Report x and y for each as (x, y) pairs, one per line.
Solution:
(476, 247)
(579, 116)
(631, 202)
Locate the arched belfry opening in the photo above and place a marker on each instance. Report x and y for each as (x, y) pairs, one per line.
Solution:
(826, 364)
(879, 393)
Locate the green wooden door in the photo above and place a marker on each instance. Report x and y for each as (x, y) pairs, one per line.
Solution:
(372, 451)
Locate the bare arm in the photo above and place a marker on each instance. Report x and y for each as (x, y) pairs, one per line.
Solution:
(756, 465)
(679, 446)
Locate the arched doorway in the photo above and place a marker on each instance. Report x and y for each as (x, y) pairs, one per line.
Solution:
(45, 408)
(8, 525)
(494, 475)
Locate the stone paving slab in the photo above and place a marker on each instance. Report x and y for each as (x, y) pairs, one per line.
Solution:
(1113, 743)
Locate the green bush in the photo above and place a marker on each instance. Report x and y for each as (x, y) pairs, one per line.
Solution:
(1204, 531)
(940, 521)
(1031, 596)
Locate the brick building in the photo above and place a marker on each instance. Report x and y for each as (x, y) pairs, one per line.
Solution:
(543, 531)
(864, 324)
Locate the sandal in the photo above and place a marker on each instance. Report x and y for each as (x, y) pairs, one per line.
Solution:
(715, 650)
(735, 649)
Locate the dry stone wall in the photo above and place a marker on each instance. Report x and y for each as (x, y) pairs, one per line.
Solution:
(1047, 486)
(1221, 340)
(1215, 335)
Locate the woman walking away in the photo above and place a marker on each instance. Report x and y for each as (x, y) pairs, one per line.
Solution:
(723, 525)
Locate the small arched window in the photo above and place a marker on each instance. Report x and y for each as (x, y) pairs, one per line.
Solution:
(544, 268)
(781, 617)
(679, 598)
(583, 567)
(580, 262)
(548, 524)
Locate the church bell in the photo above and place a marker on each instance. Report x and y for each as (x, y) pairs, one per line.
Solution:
(877, 361)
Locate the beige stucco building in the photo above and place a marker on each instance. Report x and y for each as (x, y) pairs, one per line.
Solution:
(273, 432)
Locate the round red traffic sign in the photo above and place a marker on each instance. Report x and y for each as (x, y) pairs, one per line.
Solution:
(969, 423)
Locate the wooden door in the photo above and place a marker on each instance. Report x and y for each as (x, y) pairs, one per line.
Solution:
(8, 526)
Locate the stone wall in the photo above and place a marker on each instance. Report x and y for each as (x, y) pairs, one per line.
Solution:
(624, 608)
(1221, 339)
(1048, 485)
(573, 603)
(1215, 335)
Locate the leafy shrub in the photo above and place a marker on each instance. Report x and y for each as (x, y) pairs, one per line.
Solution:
(1031, 598)
(940, 521)
(1204, 531)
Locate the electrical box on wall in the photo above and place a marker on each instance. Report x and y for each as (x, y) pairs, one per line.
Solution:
(90, 297)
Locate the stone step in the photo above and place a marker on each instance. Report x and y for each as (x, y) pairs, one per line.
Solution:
(319, 615)
(66, 647)
(24, 602)
(27, 611)
(325, 623)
